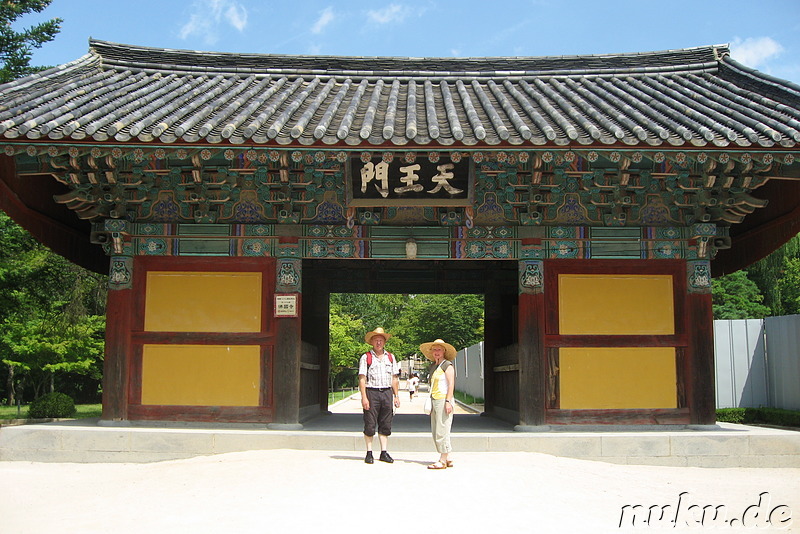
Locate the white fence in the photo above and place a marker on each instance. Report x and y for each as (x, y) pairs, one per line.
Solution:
(469, 370)
(758, 362)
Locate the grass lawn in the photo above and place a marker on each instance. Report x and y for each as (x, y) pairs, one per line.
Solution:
(83, 411)
(336, 396)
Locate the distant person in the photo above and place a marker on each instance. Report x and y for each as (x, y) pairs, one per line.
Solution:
(412, 383)
(378, 381)
(442, 379)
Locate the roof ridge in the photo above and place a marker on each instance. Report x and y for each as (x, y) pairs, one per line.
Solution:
(116, 53)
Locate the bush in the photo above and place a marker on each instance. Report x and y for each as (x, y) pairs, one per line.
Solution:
(731, 415)
(53, 405)
(764, 416)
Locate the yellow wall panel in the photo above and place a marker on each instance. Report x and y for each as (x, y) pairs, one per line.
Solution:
(203, 302)
(201, 375)
(606, 378)
(615, 304)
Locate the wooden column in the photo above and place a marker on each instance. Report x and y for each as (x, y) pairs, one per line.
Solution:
(490, 341)
(700, 380)
(532, 385)
(288, 339)
(119, 312)
(286, 381)
(324, 355)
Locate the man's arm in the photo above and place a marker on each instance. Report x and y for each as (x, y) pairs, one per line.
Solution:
(396, 389)
(362, 387)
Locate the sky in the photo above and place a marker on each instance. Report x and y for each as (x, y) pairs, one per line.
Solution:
(763, 34)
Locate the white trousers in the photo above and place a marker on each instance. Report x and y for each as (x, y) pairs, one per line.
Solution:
(441, 422)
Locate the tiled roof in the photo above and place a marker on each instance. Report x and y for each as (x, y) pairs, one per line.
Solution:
(695, 97)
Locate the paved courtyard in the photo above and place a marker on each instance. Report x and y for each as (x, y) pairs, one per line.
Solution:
(324, 491)
(331, 492)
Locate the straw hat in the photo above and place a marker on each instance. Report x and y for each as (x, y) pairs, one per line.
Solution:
(449, 350)
(377, 332)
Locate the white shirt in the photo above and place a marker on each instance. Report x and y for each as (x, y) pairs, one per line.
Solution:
(381, 372)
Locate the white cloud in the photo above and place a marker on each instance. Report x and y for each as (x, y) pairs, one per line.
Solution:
(326, 16)
(755, 51)
(236, 15)
(390, 13)
(208, 16)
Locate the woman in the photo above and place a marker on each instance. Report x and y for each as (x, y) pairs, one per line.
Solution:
(443, 383)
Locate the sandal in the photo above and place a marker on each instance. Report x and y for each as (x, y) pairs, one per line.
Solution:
(449, 463)
(437, 465)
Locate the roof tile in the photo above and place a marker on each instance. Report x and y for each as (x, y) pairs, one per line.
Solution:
(695, 96)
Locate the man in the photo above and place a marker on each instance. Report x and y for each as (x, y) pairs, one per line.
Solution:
(379, 383)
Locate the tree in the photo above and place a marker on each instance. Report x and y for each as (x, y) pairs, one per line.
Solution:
(344, 348)
(789, 286)
(16, 48)
(411, 319)
(373, 310)
(735, 296)
(767, 273)
(457, 319)
(51, 316)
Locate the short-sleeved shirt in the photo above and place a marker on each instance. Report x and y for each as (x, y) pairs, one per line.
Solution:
(381, 372)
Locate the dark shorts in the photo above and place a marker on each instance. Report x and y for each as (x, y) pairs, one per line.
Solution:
(380, 413)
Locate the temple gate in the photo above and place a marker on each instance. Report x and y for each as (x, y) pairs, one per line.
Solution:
(589, 199)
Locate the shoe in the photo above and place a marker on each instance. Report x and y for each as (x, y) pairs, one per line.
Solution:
(385, 457)
(369, 459)
(449, 463)
(437, 465)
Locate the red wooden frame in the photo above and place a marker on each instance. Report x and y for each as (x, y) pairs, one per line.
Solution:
(264, 412)
(553, 340)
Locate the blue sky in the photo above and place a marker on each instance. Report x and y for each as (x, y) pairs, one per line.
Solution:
(764, 34)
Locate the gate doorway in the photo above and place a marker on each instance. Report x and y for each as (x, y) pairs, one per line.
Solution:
(496, 281)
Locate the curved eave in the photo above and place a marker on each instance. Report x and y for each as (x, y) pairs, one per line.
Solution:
(29, 201)
(763, 231)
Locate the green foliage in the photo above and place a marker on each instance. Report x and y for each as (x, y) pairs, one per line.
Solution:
(53, 405)
(768, 274)
(763, 416)
(16, 47)
(345, 343)
(411, 319)
(51, 315)
(466, 398)
(789, 286)
(735, 296)
(457, 319)
(82, 411)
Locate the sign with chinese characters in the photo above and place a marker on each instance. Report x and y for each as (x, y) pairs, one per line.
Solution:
(286, 305)
(400, 183)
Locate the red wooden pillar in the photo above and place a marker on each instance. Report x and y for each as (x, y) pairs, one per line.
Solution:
(286, 380)
(701, 394)
(532, 390)
(116, 365)
(288, 339)
(532, 356)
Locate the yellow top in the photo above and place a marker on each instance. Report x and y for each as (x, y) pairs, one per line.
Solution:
(439, 383)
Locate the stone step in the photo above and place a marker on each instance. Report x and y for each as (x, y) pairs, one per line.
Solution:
(84, 441)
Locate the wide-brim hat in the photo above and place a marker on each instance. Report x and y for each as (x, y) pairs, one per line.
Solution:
(377, 332)
(449, 350)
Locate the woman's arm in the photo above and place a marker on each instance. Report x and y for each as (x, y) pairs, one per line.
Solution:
(450, 375)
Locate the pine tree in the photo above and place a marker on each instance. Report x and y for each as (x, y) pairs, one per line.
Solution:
(16, 48)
